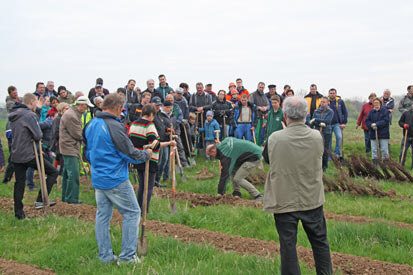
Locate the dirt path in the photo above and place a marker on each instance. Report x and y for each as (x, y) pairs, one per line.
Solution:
(208, 200)
(349, 264)
(13, 267)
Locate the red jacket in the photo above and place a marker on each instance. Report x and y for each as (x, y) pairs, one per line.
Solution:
(365, 110)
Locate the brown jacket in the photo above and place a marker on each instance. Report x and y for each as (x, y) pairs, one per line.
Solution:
(295, 180)
(69, 99)
(70, 132)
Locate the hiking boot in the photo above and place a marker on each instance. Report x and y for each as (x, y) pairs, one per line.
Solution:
(21, 217)
(158, 184)
(236, 194)
(39, 205)
(78, 202)
(260, 197)
(133, 261)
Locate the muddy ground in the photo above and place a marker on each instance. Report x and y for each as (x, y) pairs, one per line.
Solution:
(207, 200)
(348, 264)
(13, 267)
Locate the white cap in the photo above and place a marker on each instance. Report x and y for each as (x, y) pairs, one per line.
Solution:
(84, 100)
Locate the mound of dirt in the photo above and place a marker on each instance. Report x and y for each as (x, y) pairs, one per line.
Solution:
(204, 174)
(257, 177)
(13, 267)
(348, 264)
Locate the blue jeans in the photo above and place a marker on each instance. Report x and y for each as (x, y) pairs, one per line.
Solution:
(123, 197)
(339, 139)
(29, 177)
(384, 148)
(244, 130)
(163, 165)
(367, 141)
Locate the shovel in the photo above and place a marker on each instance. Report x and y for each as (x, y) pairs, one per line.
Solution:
(377, 144)
(143, 242)
(181, 171)
(40, 170)
(190, 158)
(86, 173)
(172, 206)
(404, 148)
(253, 135)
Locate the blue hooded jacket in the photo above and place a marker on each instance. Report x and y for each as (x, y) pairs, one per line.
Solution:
(109, 150)
(209, 129)
(382, 120)
(323, 115)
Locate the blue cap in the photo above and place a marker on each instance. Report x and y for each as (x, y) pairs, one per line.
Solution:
(157, 100)
(210, 113)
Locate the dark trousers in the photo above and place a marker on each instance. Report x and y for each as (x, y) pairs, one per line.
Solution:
(151, 183)
(327, 141)
(314, 224)
(8, 174)
(409, 143)
(367, 141)
(20, 174)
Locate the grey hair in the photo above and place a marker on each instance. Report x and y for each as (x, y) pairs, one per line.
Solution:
(147, 81)
(96, 99)
(295, 108)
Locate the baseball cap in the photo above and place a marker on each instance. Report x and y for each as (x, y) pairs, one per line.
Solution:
(84, 100)
(179, 90)
(210, 113)
(234, 91)
(157, 100)
(231, 84)
(98, 85)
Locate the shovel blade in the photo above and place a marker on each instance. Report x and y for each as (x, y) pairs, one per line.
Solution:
(172, 206)
(142, 246)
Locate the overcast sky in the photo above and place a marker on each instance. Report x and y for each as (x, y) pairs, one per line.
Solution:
(355, 46)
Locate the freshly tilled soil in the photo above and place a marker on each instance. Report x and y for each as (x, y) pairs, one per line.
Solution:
(348, 264)
(13, 267)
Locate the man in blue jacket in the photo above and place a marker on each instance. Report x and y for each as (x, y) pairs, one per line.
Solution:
(110, 151)
(322, 118)
(339, 119)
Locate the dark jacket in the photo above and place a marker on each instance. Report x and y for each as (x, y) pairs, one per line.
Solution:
(46, 127)
(323, 116)
(183, 104)
(131, 97)
(135, 111)
(259, 100)
(382, 120)
(2, 160)
(25, 128)
(187, 96)
(203, 100)
(388, 103)
(92, 93)
(221, 109)
(268, 95)
(407, 118)
(109, 150)
(55, 135)
(406, 103)
(340, 111)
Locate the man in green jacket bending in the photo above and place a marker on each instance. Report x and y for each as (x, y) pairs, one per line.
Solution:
(238, 158)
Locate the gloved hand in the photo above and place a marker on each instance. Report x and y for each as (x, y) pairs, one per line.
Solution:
(312, 121)
(322, 124)
(406, 126)
(374, 126)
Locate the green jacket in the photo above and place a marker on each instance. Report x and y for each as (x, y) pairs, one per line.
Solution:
(295, 179)
(274, 122)
(233, 148)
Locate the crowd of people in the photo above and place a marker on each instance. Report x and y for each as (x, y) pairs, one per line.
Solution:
(106, 134)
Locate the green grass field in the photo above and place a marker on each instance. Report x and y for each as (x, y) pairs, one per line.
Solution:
(68, 245)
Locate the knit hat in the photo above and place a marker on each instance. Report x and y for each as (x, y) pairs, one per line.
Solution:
(231, 84)
(210, 113)
(167, 103)
(234, 91)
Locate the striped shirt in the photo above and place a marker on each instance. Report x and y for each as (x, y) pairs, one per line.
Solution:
(143, 132)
